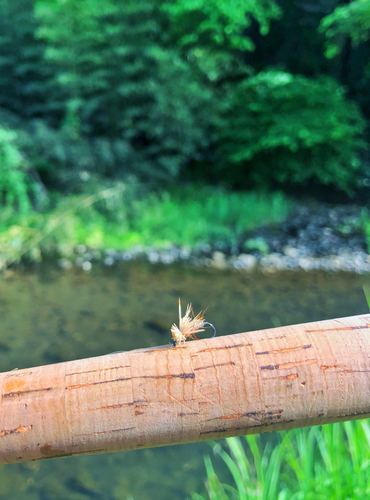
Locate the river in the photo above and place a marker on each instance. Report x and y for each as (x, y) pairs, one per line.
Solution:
(49, 316)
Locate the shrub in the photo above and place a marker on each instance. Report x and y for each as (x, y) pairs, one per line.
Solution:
(16, 186)
(347, 20)
(281, 128)
(140, 107)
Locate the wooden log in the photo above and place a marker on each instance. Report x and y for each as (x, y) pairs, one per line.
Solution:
(246, 383)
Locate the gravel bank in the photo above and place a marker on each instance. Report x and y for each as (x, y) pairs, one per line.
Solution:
(326, 238)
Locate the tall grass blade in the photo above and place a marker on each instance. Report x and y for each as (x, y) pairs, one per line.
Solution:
(328, 463)
(367, 294)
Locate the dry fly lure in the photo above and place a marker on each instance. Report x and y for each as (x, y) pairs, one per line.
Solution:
(189, 325)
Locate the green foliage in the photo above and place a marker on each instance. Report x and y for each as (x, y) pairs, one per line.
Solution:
(367, 295)
(198, 214)
(203, 23)
(145, 109)
(258, 244)
(351, 20)
(291, 129)
(138, 88)
(65, 223)
(330, 463)
(25, 77)
(123, 216)
(214, 35)
(16, 185)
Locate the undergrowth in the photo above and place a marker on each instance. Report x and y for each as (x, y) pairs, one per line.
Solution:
(125, 216)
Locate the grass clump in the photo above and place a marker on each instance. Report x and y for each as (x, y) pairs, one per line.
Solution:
(328, 463)
(124, 216)
(204, 214)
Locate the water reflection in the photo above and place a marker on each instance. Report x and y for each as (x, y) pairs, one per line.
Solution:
(52, 316)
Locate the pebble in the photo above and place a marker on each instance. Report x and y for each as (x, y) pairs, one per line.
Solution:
(153, 256)
(108, 261)
(167, 258)
(219, 260)
(291, 251)
(86, 266)
(245, 261)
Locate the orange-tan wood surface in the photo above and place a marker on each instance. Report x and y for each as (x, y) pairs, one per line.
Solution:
(244, 383)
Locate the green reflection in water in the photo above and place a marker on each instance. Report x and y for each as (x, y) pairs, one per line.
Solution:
(52, 316)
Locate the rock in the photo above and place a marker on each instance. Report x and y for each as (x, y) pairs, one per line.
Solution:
(245, 261)
(274, 262)
(291, 251)
(86, 266)
(320, 237)
(218, 260)
(153, 256)
(185, 252)
(108, 261)
(167, 258)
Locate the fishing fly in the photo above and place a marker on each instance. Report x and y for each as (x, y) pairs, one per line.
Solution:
(189, 326)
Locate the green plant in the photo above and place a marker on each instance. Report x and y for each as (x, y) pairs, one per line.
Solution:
(219, 23)
(128, 101)
(25, 77)
(367, 295)
(328, 463)
(200, 214)
(16, 186)
(55, 232)
(347, 20)
(122, 216)
(258, 244)
(282, 128)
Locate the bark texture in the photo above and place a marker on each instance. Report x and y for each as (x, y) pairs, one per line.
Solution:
(246, 383)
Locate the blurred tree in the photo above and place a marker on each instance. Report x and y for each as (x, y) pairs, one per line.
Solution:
(17, 187)
(347, 31)
(213, 34)
(217, 23)
(293, 44)
(351, 20)
(281, 128)
(151, 87)
(25, 77)
(143, 106)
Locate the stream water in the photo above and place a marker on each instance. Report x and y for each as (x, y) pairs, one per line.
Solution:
(50, 316)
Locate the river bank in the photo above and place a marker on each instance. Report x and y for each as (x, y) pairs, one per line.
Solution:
(320, 237)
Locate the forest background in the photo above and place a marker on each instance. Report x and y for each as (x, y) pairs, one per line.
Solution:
(117, 118)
